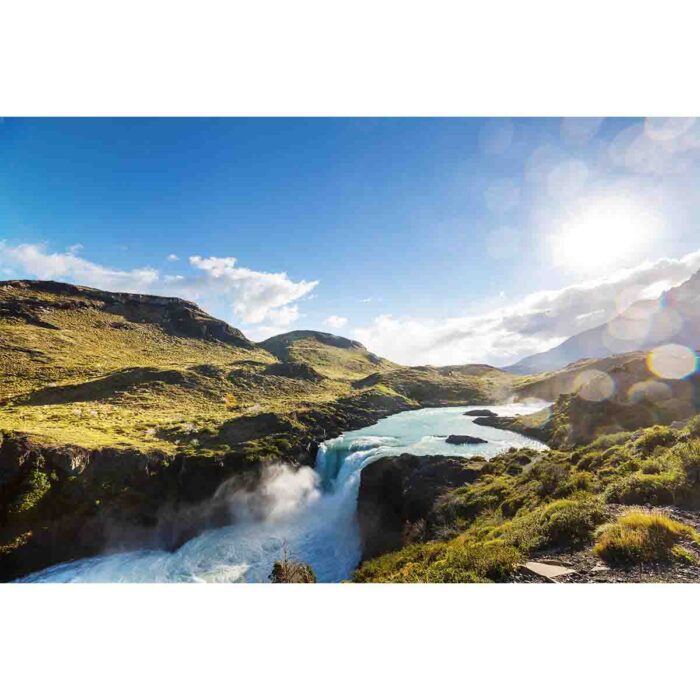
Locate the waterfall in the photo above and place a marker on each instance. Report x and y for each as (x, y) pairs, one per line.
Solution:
(311, 514)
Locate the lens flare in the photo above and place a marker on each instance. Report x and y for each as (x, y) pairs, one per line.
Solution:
(594, 385)
(649, 390)
(672, 361)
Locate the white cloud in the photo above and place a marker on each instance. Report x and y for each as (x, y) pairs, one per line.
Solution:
(539, 322)
(35, 261)
(172, 258)
(336, 322)
(256, 297)
(216, 283)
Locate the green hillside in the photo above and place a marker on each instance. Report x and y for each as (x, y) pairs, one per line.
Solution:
(84, 367)
(331, 355)
(91, 368)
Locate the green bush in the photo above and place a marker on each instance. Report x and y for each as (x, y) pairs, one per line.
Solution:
(458, 561)
(686, 457)
(290, 571)
(474, 562)
(605, 441)
(693, 427)
(639, 488)
(651, 438)
(34, 487)
(566, 523)
(402, 566)
(486, 494)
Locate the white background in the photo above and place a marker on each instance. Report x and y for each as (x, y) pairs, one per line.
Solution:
(348, 58)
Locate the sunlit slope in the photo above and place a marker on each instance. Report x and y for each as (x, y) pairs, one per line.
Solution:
(99, 369)
(455, 384)
(94, 368)
(331, 355)
(608, 395)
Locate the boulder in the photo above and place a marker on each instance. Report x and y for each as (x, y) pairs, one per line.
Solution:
(546, 572)
(481, 412)
(464, 440)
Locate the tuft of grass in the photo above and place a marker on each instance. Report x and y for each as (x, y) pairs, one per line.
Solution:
(638, 537)
(683, 555)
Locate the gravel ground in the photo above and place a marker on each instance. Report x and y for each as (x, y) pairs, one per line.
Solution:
(591, 569)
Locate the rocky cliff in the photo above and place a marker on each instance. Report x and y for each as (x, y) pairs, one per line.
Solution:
(398, 495)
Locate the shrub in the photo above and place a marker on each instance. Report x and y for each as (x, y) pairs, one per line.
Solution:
(400, 566)
(686, 457)
(458, 561)
(34, 487)
(289, 571)
(469, 501)
(581, 481)
(590, 461)
(637, 537)
(567, 522)
(693, 427)
(474, 562)
(651, 438)
(605, 441)
(639, 488)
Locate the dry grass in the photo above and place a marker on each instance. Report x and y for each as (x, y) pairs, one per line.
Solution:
(638, 537)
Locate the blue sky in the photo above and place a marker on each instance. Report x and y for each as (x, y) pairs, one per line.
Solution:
(431, 240)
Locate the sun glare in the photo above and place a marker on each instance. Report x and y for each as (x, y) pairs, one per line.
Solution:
(603, 233)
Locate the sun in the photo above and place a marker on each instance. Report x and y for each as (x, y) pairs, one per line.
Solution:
(603, 233)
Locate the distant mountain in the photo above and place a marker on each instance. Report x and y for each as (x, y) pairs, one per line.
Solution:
(672, 318)
(331, 355)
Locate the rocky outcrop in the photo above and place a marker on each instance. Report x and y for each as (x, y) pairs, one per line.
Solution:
(294, 370)
(464, 440)
(538, 426)
(398, 495)
(62, 502)
(32, 300)
(480, 412)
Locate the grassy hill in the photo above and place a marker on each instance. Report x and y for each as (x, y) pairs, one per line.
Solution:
(91, 368)
(80, 366)
(332, 356)
(436, 386)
